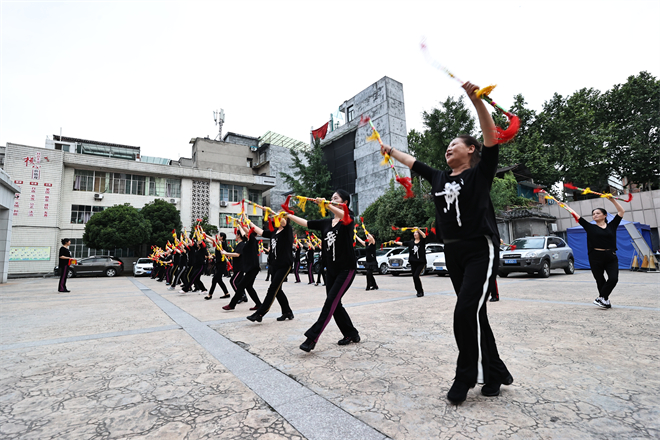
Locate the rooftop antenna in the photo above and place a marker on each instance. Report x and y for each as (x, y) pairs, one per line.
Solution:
(219, 118)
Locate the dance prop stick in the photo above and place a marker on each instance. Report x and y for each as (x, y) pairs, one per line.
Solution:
(561, 204)
(390, 243)
(363, 227)
(604, 195)
(323, 203)
(406, 182)
(503, 136)
(410, 228)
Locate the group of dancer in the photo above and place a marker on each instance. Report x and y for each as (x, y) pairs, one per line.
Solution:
(466, 224)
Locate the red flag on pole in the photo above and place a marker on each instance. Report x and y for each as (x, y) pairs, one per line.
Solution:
(321, 132)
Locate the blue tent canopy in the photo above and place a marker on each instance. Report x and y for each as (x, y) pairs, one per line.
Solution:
(577, 240)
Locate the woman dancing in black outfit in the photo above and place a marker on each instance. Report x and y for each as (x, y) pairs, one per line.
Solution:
(466, 221)
(220, 268)
(416, 257)
(248, 252)
(309, 256)
(281, 260)
(601, 248)
(296, 262)
(340, 259)
(63, 265)
(371, 263)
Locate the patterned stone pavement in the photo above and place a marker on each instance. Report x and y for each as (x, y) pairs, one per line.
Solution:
(125, 358)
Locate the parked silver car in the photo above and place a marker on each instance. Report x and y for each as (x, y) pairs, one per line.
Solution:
(381, 258)
(537, 255)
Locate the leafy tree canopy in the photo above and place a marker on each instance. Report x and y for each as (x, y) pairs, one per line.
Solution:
(164, 217)
(442, 124)
(119, 226)
(391, 209)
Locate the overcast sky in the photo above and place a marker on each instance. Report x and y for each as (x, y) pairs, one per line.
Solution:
(150, 74)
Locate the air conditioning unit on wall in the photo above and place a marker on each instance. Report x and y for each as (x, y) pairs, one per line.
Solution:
(173, 201)
(223, 204)
(98, 196)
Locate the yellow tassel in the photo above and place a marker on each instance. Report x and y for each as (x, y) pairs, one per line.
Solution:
(386, 159)
(607, 195)
(485, 91)
(266, 215)
(322, 208)
(374, 136)
(254, 209)
(277, 221)
(302, 201)
(586, 191)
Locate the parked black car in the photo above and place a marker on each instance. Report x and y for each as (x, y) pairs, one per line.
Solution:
(98, 265)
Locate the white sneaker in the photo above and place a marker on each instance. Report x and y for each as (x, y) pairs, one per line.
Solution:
(600, 302)
(607, 304)
(182, 291)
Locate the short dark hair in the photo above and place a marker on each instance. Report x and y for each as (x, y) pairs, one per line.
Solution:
(470, 140)
(602, 210)
(65, 240)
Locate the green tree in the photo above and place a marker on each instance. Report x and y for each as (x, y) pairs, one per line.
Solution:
(311, 178)
(442, 125)
(391, 209)
(504, 193)
(119, 226)
(164, 217)
(576, 138)
(633, 112)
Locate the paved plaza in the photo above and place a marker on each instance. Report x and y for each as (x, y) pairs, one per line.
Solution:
(126, 358)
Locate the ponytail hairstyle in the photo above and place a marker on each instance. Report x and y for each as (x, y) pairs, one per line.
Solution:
(65, 241)
(470, 140)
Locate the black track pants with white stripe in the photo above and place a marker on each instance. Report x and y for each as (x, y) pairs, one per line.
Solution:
(472, 266)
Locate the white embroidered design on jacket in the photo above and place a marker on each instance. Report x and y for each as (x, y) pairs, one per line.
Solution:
(273, 247)
(331, 237)
(451, 193)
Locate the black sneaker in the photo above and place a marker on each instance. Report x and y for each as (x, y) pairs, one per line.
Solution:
(308, 345)
(493, 389)
(458, 392)
(255, 317)
(600, 302)
(348, 339)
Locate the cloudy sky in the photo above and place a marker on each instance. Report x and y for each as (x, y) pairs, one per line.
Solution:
(151, 74)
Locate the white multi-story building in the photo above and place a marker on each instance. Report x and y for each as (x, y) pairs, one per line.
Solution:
(65, 183)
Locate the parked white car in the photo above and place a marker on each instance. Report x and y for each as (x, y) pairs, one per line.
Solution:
(381, 258)
(398, 264)
(143, 266)
(440, 265)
